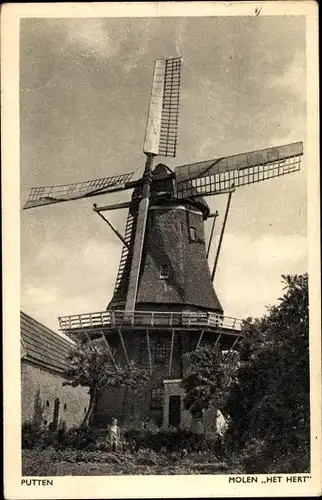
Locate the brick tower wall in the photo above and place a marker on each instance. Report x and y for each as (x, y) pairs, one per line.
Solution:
(134, 408)
(175, 241)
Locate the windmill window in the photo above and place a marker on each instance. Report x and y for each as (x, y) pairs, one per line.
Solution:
(65, 406)
(193, 233)
(160, 352)
(156, 399)
(47, 403)
(164, 272)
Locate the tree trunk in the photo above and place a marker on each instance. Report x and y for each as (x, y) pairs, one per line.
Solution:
(93, 398)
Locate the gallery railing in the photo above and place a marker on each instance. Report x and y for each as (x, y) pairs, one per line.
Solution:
(110, 319)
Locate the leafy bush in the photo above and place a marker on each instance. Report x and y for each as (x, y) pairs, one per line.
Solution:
(34, 437)
(80, 438)
(171, 441)
(77, 438)
(269, 404)
(29, 435)
(263, 457)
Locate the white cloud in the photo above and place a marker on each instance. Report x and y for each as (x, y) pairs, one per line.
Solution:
(249, 271)
(40, 295)
(90, 34)
(293, 78)
(80, 281)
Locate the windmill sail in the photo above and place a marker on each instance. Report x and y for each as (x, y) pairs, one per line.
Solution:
(121, 282)
(140, 227)
(47, 195)
(163, 116)
(218, 175)
(161, 138)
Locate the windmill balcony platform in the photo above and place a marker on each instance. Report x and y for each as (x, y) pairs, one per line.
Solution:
(153, 320)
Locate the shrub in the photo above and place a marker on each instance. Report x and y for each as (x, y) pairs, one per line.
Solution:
(171, 441)
(29, 435)
(269, 404)
(32, 436)
(263, 457)
(79, 438)
(76, 438)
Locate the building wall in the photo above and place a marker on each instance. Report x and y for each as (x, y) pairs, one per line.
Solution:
(206, 424)
(40, 388)
(134, 407)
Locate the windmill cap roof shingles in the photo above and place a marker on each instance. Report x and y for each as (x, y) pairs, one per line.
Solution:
(43, 346)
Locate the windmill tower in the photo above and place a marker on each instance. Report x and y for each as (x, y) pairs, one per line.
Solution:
(164, 303)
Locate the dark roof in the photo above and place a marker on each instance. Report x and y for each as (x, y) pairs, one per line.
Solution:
(42, 346)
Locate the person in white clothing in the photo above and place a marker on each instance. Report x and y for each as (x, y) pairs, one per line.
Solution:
(114, 435)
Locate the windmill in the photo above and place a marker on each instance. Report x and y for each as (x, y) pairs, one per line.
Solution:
(164, 302)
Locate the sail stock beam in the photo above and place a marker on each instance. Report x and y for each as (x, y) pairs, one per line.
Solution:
(141, 220)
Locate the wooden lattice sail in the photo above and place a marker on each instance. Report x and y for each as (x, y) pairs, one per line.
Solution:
(163, 117)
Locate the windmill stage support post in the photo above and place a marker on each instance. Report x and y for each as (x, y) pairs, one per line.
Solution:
(89, 341)
(199, 340)
(123, 345)
(149, 350)
(235, 342)
(111, 226)
(171, 353)
(139, 236)
(221, 235)
(215, 215)
(109, 349)
(218, 338)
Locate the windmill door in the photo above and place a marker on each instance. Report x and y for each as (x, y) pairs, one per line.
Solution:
(174, 411)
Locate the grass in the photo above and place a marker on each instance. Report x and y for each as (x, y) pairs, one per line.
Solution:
(49, 462)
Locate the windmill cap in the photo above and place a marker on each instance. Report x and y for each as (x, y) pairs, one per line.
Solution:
(162, 190)
(160, 171)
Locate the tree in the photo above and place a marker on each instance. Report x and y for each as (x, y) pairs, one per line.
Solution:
(269, 400)
(264, 386)
(94, 367)
(208, 378)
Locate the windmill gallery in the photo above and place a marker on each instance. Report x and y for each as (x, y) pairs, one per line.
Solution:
(164, 303)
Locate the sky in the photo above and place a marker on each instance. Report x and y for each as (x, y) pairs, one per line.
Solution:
(84, 95)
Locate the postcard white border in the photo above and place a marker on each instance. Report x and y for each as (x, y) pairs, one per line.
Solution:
(142, 486)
